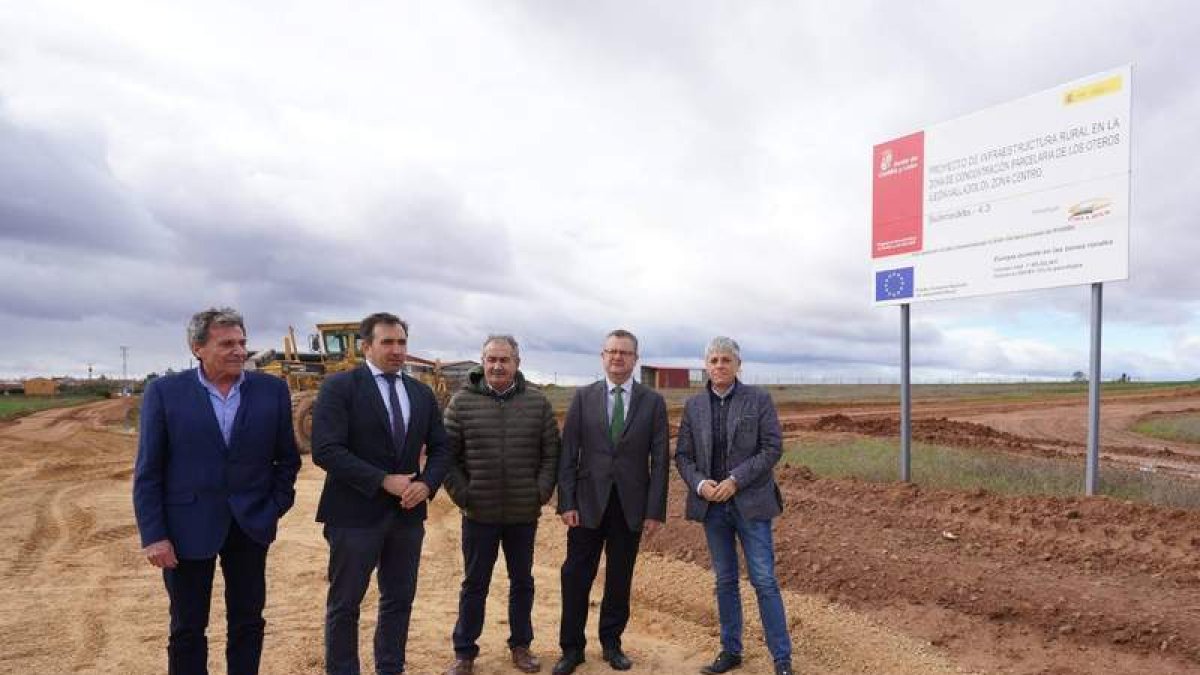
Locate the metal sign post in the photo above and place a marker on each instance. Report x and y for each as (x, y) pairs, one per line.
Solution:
(1093, 446)
(905, 400)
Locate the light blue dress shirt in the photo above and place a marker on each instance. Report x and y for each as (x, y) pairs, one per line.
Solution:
(224, 407)
(382, 383)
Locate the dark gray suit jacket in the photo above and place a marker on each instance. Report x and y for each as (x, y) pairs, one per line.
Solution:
(590, 466)
(754, 447)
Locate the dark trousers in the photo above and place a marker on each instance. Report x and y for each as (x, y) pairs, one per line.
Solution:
(394, 547)
(620, 547)
(480, 545)
(189, 587)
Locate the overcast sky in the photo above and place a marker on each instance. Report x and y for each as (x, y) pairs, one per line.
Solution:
(553, 170)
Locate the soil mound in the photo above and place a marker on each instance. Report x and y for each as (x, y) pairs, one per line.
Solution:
(938, 430)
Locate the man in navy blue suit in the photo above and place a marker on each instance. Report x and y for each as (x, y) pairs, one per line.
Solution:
(216, 469)
(369, 425)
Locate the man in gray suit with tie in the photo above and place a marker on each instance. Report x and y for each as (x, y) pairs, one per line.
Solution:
(612, 486)
(729, 442)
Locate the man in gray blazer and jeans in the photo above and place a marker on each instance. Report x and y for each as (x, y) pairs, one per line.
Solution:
(729, 442)
(612, 486)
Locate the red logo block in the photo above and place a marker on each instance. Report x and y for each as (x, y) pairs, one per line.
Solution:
(897, 208)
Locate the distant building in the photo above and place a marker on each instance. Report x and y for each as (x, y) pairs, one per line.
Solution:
(415, 365)
(41, 386)
(671, 377)
(455, 372)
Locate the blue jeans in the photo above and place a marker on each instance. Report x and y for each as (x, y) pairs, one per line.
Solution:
(722, 526)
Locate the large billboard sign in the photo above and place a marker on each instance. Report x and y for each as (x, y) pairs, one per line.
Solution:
(1028, 194)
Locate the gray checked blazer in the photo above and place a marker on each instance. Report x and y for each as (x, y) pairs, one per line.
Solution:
(591, 466)
(753, 448)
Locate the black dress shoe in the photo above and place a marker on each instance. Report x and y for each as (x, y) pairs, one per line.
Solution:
(617, 659)
(725, 662)
(569, 662)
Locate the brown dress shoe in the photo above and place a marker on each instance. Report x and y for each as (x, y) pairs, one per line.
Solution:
(525, 661)
(462, 666)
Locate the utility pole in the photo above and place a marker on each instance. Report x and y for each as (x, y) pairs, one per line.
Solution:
(124, 367)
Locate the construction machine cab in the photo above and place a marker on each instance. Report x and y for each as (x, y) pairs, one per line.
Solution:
(337, 342)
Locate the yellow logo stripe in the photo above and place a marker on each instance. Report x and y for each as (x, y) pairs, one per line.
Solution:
(1092, 90)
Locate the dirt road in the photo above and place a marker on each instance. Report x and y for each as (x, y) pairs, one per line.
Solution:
(75, 596)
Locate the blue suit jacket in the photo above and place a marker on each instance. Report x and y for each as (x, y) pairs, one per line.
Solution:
(352, 441)
(188, 485)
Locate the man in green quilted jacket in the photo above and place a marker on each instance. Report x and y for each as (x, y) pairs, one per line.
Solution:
(504, 444)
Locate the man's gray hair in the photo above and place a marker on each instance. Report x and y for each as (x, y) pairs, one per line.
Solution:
(202, 323)
(723, 345)
(506, 339)
(622, 333)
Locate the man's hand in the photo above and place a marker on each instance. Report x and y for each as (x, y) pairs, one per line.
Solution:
(161, 554)
(725, 490)
(649, 527)
(414, 494)
(708, 490)
(570, 518)
(397, 483)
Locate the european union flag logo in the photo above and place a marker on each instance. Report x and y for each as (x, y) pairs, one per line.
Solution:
(894, 284)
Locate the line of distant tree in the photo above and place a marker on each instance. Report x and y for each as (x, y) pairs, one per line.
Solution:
(1080, 376)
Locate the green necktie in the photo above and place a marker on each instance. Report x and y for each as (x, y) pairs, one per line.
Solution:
(617, 425)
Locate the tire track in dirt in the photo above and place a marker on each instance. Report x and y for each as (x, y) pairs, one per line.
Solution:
(36, 542)
(77, 521)
(60, 527)
(111, 535)
(92, 628)
(62, 465)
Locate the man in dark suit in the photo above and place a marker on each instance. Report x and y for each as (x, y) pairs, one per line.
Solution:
(216, 469)
(612, 486)
(369, 425)
(729, 442)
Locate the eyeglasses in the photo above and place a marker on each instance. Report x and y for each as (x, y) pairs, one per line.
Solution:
(619, 352)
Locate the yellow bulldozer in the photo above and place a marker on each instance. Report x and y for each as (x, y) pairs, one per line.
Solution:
(335, 348)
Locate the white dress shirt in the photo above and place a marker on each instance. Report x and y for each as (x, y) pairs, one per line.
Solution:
(627, 391)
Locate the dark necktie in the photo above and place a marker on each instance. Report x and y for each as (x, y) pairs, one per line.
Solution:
(617, 425)
(397, 412)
